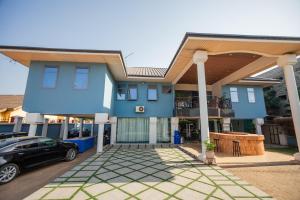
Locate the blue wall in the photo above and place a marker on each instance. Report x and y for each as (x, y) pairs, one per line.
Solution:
(243, 109)
(163, 107)
(64, 99)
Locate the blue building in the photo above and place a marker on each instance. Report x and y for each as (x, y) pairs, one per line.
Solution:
(206, 87)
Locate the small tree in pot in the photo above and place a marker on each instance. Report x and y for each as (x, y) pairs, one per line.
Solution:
(210, 154)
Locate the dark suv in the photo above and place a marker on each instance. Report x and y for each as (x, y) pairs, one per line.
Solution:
(25, 152)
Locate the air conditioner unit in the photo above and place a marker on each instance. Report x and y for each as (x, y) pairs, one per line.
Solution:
(139, 109)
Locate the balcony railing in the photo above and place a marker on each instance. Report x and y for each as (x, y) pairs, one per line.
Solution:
(216, 107)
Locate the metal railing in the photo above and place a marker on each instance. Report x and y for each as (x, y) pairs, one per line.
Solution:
(217, 107)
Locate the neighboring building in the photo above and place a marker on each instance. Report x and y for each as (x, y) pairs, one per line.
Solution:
(283, 108)
(209, 89)
(10, 106)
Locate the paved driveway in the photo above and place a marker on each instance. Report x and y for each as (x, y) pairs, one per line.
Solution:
(129, 172)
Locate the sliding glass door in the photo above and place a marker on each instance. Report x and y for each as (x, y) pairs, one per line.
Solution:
(133, 130)
(163, 130)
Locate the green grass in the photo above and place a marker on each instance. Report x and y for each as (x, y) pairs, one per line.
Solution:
(285, 150)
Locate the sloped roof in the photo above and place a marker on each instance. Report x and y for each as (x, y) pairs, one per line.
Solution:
(146, 71)
(10, 101)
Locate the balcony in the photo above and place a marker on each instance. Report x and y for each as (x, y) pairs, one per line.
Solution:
(216, 107)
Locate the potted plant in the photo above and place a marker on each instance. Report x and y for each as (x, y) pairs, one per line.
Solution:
(210, 154)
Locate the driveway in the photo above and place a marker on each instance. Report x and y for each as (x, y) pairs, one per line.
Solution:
(140, 172)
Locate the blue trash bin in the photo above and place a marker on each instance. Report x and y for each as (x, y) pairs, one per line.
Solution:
(177, 137)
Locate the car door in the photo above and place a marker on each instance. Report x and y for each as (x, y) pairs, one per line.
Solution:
(50, 149)
(28, 153)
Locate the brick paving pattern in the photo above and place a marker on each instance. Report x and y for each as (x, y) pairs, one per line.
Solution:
(132, 172)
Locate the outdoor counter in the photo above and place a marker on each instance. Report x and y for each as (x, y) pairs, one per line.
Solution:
(250, 144)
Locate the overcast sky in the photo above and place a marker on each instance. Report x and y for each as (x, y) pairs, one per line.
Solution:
(152, 30)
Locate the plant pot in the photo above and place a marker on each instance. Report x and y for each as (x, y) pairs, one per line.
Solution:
(210, 155)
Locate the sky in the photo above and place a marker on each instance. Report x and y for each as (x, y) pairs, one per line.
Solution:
(149, 31)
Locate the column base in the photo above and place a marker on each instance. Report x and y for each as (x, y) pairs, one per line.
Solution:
(202, 157)
(297, 156)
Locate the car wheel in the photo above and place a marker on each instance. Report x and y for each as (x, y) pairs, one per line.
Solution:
(8, 172)
(71, 154)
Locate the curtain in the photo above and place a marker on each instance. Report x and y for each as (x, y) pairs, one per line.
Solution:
(133, 130)
(163, 130)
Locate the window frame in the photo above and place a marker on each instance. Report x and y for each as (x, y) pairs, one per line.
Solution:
(251, 92)
(56, 77)
(124, 86)
(163, 89)
(128, 93)
(148, 88)
(231, 91)
(75, 75)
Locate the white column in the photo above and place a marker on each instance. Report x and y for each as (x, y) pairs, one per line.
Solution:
(34, 119)
(199, 58)
(113, 129)
(258, 123)
(226, 124)
(32, 130)
(66, 128)
(287, 62)
(174, 127)
(62, 128)
(92, 128)
(18, 123)
(45, 127)
(100, 119)
(80, 127)
(153, 130)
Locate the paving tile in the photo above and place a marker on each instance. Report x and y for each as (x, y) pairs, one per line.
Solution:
(133, 187)
(168, 187)
(80, 196)
(123, 170)
(137, 166)
(97, 188)
(84, 174)
(163, 175)
(80, 179)
(152, 194)
(107, 175)
(148, 170)
(180, 180)
(38, 194)
(135, 175)
(119, 181)
(224, 182)
(210, 172)
(202, 187)
(91, 167)
(191, 175)
(68, 174)
(221, 195)
(236, 191)
(61, 193)
(256, 191)
(189, 194)
(115, 194)
(150, 180)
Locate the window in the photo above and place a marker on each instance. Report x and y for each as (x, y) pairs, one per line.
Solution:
(47, 142)
(50, 77)
(132, 92)
(234, 94)
(81, 78)
(166, 89)
(251, 95)
(152, 93)
(121, 92)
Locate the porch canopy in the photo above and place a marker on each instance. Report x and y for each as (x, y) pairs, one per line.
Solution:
(211, 61)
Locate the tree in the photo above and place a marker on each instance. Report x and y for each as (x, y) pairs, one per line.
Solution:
(272, 101)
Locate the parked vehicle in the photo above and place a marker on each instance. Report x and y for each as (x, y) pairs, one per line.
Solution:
(12, 134)
(21, 153)
(75, 133)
